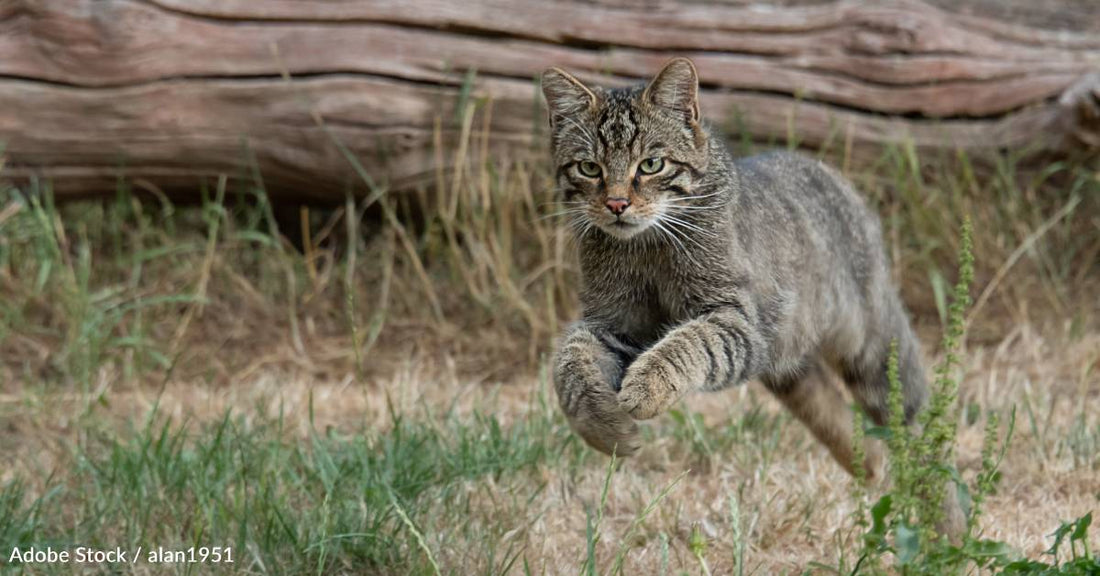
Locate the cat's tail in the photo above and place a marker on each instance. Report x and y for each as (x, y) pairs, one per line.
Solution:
(865, 372)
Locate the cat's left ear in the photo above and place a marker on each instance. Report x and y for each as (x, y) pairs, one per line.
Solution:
(676, 88)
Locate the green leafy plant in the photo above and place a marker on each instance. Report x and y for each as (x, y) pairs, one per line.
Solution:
(900, 536)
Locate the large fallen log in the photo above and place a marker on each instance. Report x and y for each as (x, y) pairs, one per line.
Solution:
(170, 91)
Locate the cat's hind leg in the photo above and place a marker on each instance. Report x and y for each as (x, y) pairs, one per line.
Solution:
(813, 397)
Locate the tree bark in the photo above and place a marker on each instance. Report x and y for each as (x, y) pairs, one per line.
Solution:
(167, 92)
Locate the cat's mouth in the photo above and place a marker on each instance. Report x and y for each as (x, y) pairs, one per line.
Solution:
(624, 229)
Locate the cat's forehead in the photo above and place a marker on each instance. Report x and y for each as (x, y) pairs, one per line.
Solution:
(617, 124)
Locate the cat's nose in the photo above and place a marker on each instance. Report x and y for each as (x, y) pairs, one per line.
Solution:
(617, 205)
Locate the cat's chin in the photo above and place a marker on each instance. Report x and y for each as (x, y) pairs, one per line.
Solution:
(624, 230)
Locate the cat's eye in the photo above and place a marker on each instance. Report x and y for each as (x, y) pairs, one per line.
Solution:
(651, 165)
(589, 169)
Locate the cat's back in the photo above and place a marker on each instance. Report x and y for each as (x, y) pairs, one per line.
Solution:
(793, 193)
(798, 219)
(796, 177)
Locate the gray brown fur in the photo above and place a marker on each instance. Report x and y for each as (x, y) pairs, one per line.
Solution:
(719, 271)
(763, 267)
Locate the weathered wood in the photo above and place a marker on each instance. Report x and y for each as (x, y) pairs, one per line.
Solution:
(168, 90)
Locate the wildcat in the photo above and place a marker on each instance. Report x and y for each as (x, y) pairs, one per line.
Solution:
(700, 271)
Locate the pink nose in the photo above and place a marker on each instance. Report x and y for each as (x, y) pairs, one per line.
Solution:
(617, 205)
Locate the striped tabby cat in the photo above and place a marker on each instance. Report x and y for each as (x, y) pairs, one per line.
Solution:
(701, 271)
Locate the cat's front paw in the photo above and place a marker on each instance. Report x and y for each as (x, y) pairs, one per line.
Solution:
(605, 427)
(649, 387)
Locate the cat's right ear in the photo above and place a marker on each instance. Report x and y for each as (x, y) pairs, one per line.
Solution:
(565, 95)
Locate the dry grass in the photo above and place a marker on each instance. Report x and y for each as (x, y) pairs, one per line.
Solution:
(795, 502)
(446, 300)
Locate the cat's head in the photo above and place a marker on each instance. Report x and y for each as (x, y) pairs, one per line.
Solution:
(627, 158)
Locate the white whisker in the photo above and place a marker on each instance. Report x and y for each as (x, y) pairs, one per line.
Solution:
(562, 203)
(580, 224)
(690, 208)
(561, 213)
(686, 234)
(581, 227)
(688, 225)
(675, 233)
(686, 198)
(668, 233)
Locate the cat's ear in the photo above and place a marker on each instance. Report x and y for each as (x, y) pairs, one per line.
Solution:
(676, 88)
(565, 95)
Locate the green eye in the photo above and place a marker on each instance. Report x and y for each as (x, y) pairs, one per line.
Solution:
(589, 169)
(651, 165)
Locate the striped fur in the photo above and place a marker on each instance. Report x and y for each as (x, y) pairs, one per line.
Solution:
(719, 271)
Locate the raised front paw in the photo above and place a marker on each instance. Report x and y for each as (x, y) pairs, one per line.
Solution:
(604, 425)
(649, 387)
